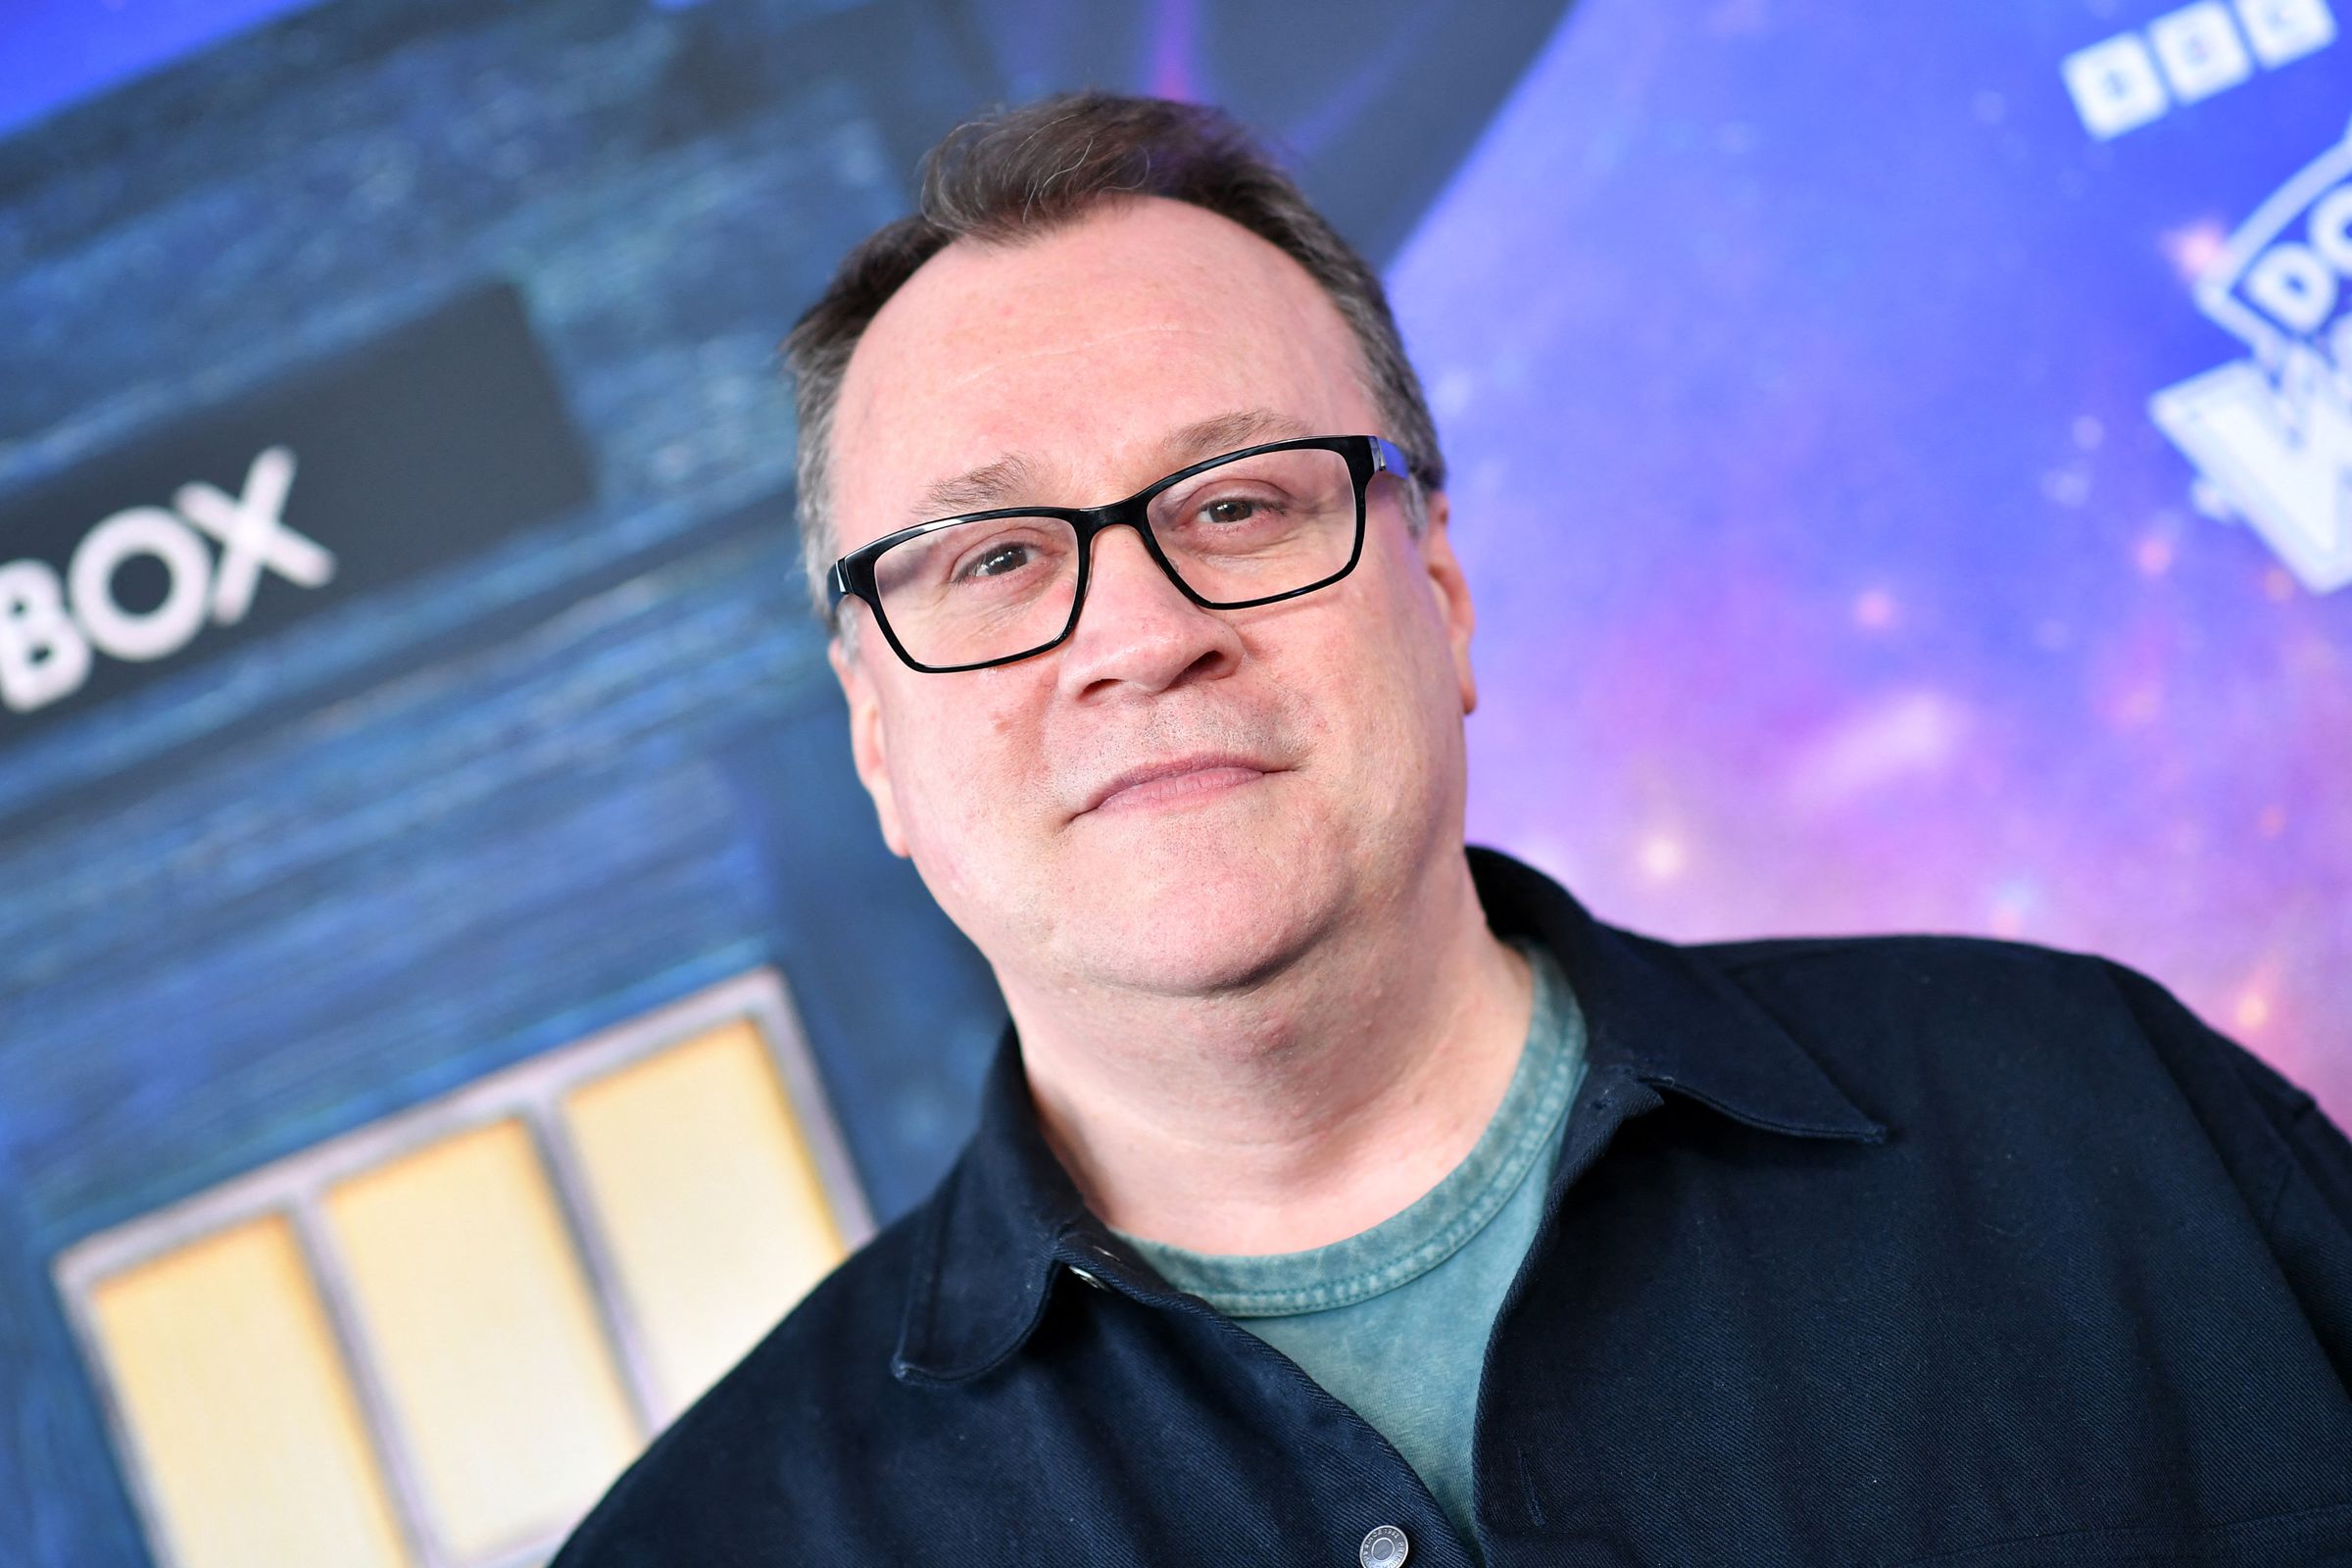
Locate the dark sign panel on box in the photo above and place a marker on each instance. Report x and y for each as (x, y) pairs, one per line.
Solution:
(420, 448)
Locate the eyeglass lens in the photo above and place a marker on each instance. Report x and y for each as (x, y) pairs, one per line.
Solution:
(993, 588)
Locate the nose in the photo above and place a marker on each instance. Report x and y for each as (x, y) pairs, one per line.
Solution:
(1137, 630)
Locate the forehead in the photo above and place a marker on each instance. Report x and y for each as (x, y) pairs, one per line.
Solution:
(1080, 353)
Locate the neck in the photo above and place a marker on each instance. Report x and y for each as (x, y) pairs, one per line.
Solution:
(1305, 1108)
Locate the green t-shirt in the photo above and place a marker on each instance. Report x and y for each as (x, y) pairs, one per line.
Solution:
(1430, 1278)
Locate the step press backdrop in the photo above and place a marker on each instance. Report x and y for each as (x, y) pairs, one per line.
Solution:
(452, 995)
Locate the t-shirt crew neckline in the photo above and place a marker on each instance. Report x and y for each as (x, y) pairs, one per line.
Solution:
(1433, 1227)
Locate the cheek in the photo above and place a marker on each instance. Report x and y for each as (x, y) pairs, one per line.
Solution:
(1412, 702)
(1409, 643)
(962, 770)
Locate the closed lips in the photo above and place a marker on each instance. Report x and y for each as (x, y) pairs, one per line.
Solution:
(1164, 780)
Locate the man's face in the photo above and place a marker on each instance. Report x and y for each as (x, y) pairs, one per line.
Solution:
(1176, 800)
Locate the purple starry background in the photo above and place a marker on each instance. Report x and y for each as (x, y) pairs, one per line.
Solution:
(1793, 362)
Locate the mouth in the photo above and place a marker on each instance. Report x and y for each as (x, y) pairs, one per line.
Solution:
(1179, 779)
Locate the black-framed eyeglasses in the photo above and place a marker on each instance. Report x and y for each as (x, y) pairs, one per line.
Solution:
(1252, 527)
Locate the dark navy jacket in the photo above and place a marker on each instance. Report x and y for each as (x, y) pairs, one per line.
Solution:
(1883, 1251)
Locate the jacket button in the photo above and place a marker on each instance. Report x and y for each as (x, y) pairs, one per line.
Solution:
(1385, 1547)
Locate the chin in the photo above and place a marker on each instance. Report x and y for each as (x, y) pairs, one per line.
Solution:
(1190, 926)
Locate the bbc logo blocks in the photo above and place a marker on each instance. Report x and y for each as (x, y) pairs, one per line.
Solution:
(2124, 83)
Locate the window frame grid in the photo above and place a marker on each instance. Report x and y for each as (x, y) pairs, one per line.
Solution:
(294, 1187)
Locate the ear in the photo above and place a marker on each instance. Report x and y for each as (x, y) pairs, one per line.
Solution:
(1451, 592)
(867, 748)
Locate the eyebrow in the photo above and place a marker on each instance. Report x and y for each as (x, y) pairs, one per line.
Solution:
(989, 485)
(1228, 432)
(1010, 481)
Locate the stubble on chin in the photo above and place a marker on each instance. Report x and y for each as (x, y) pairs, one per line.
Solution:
(1205, 900)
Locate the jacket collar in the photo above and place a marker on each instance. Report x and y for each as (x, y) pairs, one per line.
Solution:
(1007, 1223)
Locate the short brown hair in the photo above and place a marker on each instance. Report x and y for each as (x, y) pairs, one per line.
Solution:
(1024, 171)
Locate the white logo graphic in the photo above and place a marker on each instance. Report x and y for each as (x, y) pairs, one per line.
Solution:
(2272, 433)
(2124, 83)
(49, 630)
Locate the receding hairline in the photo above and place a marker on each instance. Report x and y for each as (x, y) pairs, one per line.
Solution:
(1064, 223)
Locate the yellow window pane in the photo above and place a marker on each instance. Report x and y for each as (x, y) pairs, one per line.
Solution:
(228, 1376)
(702, 1185)
(474, 1304)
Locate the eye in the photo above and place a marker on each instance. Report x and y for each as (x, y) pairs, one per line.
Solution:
(996, 561)
(1229, 510)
